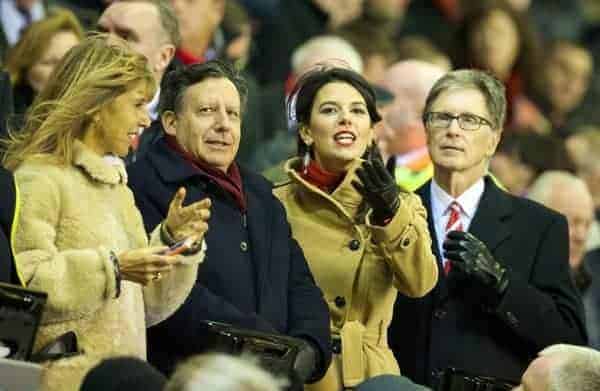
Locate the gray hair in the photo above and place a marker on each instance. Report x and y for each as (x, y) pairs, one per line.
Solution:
(542, 190)
(325, 48)
(580, 370)
(168, 19)
(221, 372)
(492, 89)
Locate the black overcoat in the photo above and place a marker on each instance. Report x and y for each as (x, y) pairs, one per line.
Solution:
(541, 306)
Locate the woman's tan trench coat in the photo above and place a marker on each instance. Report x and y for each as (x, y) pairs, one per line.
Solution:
(360, 268)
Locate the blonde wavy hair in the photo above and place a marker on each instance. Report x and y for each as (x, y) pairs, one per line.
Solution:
(90, 76)
(35, 40)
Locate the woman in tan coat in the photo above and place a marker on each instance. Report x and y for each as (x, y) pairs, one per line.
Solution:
(363, 239)
(79, 236)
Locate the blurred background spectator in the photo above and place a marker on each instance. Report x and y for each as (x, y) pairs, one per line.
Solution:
(569, 195)
(42, 46)
(512, 59)
(522, 156)
(401, 133)
(15, 17)
(417, 47)
(200, 40)
(545, 51)
(557, 89)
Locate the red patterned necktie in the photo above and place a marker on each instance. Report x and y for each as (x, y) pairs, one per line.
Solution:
(454, 224)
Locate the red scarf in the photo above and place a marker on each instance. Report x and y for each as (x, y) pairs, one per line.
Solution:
(324, 180)
(230, 182)
(188, 58)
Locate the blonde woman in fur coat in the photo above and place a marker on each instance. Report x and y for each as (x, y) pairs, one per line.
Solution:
(79, 236)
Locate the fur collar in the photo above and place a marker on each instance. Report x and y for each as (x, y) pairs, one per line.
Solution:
(99, 168)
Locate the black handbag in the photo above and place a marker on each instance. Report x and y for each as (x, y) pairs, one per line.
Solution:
(20, 315)
(453, 379)
(276, 353)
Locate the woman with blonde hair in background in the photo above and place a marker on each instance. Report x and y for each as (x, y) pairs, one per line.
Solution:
(80, 237)
(31, 61)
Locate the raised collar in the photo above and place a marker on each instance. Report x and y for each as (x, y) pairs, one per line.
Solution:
(345, 196)
(172, 168)
(96, 166)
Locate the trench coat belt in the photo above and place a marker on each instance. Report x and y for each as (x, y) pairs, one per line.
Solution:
(354, 336)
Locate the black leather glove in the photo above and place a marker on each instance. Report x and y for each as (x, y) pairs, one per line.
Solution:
(379, 190)
(305, 363)
(472, 261)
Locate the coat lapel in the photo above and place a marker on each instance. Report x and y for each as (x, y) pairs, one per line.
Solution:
(490, 223)
(425, 193)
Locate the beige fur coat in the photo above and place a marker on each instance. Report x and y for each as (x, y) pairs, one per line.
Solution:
(70, 218)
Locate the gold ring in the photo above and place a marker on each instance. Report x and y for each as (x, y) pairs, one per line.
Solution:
(157, 276)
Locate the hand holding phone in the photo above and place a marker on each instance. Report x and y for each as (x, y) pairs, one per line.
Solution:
(179, 247)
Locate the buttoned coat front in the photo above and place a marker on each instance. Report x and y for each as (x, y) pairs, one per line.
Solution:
(360, 267)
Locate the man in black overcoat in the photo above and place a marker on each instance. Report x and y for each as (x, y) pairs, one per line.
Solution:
(504, 291)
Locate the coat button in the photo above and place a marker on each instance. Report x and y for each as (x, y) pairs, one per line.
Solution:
(336, 345)
(440, 313)
(340, 301)
(354, 244)
(244, 246)
(512, 319)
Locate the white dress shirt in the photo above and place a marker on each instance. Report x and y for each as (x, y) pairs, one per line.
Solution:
(440, 208)
(153, 105)
(14, 21)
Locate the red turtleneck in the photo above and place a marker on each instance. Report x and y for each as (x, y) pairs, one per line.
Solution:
(324, 180)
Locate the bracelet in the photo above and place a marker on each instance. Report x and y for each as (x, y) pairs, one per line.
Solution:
(117, 269)
(165, 235)
(166, 238)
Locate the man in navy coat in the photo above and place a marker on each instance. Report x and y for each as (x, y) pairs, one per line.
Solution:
(504, 291)
(255, 275)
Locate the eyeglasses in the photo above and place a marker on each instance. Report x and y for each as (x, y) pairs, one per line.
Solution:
(466, 121)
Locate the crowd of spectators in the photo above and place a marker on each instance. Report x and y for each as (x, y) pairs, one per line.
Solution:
(257, 57)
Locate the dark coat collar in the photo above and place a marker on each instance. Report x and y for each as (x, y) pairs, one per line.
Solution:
(172, 168)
